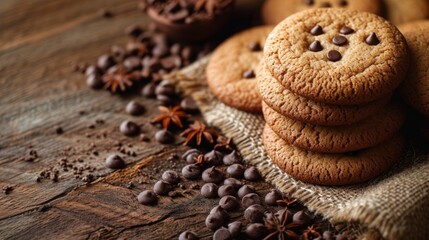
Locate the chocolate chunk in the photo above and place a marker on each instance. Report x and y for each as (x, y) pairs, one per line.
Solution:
(94, 81)
(209, 190)
(232, 158)
(315, 46)
(114, 162)
(171, 177)
(244, 190)
(221, 211)
(339, 40)
(149, 90)
(249, 74)
(226, 190)
(236, 184)
(213, 175)
(189, 105)
(147, 197)
(188, 235)
(191, 171)
(235, 170)
(346, 30)
(325, 5)
(309, 2)
(252, 174)
(222, 234)
(105, 61)
(229, 203)
(302, 218)
(372, 39)
(129, 128)
(213, 158)
(162, 187)
(255, 47)
(164, 137)
(191, 155)
(316, 30)
(250, 199)
(272, 197)
(135, 108)
(256, 231)
(333, 56)
(235, 228)
(214, 221)
(254, 213)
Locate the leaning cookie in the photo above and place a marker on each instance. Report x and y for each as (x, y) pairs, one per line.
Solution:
(415, 89)
(337, 139)
(332, 169)
(299, 108)
(402, 11)
(337, 56)
(231, 70)
(274, 11)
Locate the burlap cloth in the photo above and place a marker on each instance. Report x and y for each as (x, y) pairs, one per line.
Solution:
(394, 206)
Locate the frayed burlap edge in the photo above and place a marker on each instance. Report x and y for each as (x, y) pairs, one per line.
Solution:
(393, 206)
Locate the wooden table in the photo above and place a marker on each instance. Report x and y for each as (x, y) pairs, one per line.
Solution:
(39, 41)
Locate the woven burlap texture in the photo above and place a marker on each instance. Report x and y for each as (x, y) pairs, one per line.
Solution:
(394, 206)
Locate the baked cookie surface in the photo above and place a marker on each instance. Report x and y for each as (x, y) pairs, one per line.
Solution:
(332, 169)
(232, 69)
(299, 108)
(402, 11)
(337, 56)
(415, 88)
(274, 11)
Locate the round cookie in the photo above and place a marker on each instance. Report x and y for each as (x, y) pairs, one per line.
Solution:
(231, 70)
(415, 89)
(402, 11)
(274, 11)
(315, 54)
(332, 169)
(299, 108)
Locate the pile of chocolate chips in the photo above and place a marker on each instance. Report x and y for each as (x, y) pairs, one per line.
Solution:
(186, 11)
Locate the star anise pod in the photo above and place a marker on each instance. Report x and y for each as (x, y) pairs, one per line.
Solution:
(286, 201)
(311, 232)
(224, 144)
(170, 116)
(199, 132)
(118, 78)
(280, 228)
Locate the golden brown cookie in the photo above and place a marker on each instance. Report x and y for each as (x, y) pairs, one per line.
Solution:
(415, 89)
(274, 11)
(337, 56)
(337, 139)
(231, 70)
(299, 108)
(332, 169)
(402, 11)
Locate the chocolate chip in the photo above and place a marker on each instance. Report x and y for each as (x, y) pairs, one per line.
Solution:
(333, 55)
(221, 211)
(132, 63)
(171, 177)
(129, 128)
(59, 130)
(94, 81)
(214, 158)
(325, 5)
(339, 40)
(133, 30)
(114, 162)
(191, 171)
(235, 170)
(244, 190)
(191, 155)
(316, 30)
(235, 228)
(248, 74)
(250, 199)
(213, 175)
(147, 197)
(229, 203)
(236, 184)
(135, 108)
(92, 70)
(346, 30)
(309, 2)
(189, 105)
(232, 158)
(214, 221)
(255, 47)
(328, 235)
(301, 218)
(165, 88)
(209, 190)
(188, 235)
(171, 62)
(272, 197)
(164, 137)
(372, 39)
(105, 61)
(340, 237)
(149, 90)
(315, 46)
(226, 190)
(162, 187)
(254, 213)
(105, 13)
(222, 234)
(280, 213)
(252, 174)
(343, 3)
(256, 231)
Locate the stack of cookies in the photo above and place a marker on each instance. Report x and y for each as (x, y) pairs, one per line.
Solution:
(327, 80)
